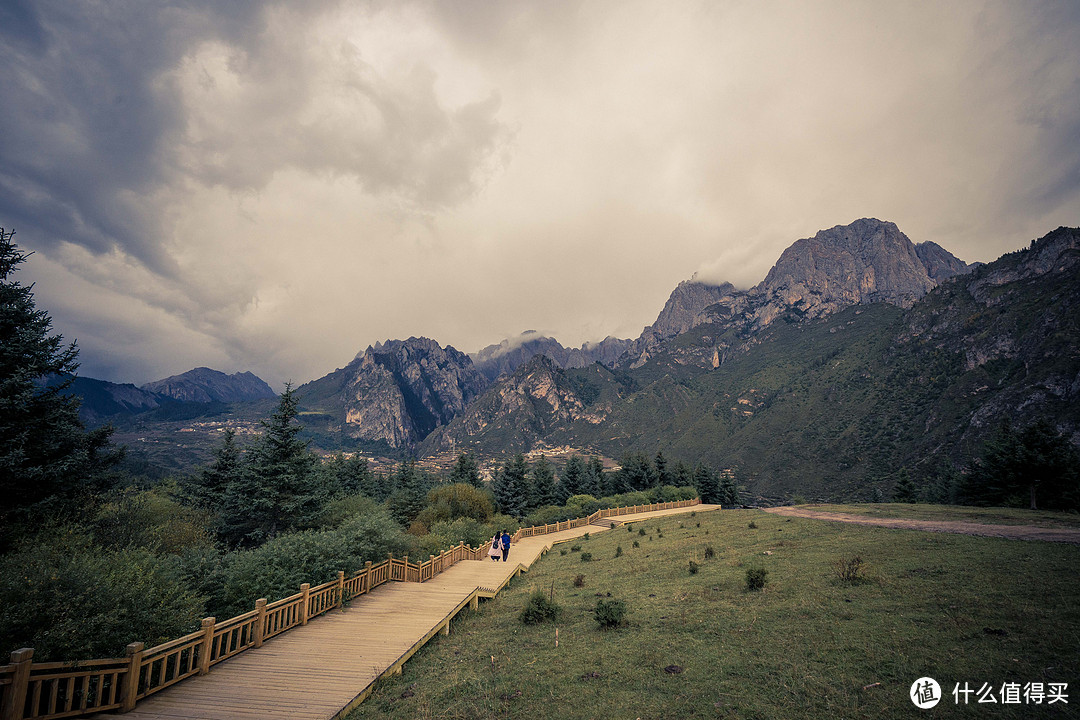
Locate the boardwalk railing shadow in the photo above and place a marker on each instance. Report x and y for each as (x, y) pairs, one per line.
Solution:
(44, 691)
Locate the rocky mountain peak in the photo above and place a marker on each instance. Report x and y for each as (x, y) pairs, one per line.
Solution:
(504, 358)
(398, 391)
(205, 385)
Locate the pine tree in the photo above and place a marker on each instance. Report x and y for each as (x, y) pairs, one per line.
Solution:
(707, 484)
(663, 476)
(905, 490)
(45, 452)
(207, 489)
(572, 480)
(636, 473)
(594, 483)
(684, 476)
(511, 486)
(542, 485)
(466, 470)
(729, 490)
(410, 495)
(281, 488)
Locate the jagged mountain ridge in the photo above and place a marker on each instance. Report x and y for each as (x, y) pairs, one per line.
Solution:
(495, 361)
(867, 261)
(396, 392)
(205, 385)
(835, 405)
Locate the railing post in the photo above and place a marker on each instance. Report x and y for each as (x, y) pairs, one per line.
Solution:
(260, 621)
(15, 698)
(340, 588)
(305, 596)
(207, 645)
(366, 584)
(130, 689)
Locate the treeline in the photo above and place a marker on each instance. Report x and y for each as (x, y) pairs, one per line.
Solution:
(1034, 466)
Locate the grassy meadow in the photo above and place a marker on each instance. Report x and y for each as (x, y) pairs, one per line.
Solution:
(700, 645)
(985, 515)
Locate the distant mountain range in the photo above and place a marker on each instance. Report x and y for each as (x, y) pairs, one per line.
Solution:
(858, 354)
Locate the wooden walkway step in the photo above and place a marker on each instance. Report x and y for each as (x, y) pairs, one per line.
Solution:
(323, 669)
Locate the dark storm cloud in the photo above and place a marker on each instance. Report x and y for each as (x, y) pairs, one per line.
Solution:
(83, 124)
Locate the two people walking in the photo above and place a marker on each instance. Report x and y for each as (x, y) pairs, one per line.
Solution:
(500, 546)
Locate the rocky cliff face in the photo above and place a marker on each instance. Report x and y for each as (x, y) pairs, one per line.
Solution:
(397, 392)
(503, 359)
(518, 410)
(865, 262)
(206, 385)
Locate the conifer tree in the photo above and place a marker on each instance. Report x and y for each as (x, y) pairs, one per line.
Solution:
(572, 480)
(45, 452)
(594, 483)
(542, 486)
(511, 486)
(281, 488)
(466, 470)
(707, 484)
(410, 495)
(663, 475)
(207, 488)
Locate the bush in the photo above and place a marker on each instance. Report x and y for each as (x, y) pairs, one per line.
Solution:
(609, 613)
(755, 578)
(710, 553)
(70, 599)
(539, 609)
(694, 567)
(586, 557)
(579, 581)
(637, 544)
(457, 500)
(585, 536)
(641, 531)
(847, 569)
(618, 551)
(550, 514)
(575, 548)
(752, 525)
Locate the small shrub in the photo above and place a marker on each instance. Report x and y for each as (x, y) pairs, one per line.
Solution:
(609, 613)
(710, 553)
(694, 567)
(562, 551)
(575, 548)
(586, 556)
(637, 544)
(659, 534)
(755, 578)
(585, 536)
(641, 531)
(752, 525)
(579, 581)
(693, 514)
(698, 525)
(847, 569)
(539, 609)
(629, 528)
(618, 551)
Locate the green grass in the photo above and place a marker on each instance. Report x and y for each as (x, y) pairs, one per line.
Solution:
(956, 608)
(989, 516)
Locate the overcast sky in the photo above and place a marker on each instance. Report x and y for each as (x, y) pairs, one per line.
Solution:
(274, 186)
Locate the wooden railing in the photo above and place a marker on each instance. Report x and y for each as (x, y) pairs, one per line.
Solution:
(44, 691)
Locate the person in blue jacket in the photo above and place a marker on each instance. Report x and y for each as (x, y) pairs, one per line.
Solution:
(505, 544)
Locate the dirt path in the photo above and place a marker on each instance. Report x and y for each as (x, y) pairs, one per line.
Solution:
(1013, 532)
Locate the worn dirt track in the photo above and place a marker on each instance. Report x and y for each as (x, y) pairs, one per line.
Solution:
(1012, 532)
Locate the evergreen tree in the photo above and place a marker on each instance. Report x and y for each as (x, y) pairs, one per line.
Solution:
(207, 489)
(45, 452)
(636, 473)
(1036, 466)
(663, 475)
(573, 479)
(281, 487)
(511, 486)
(466, 470)
(353, 475)
(410, 494)
(707, 484)
(542, 489)
(683, 474)
(595, 483)
(729, 490)
(905, 490)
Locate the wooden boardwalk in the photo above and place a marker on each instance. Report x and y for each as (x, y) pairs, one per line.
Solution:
(323, 669)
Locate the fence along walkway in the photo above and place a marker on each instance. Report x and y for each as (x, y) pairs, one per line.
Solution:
(316, 670)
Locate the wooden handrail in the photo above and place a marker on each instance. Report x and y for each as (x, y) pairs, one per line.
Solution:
(43, 691)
